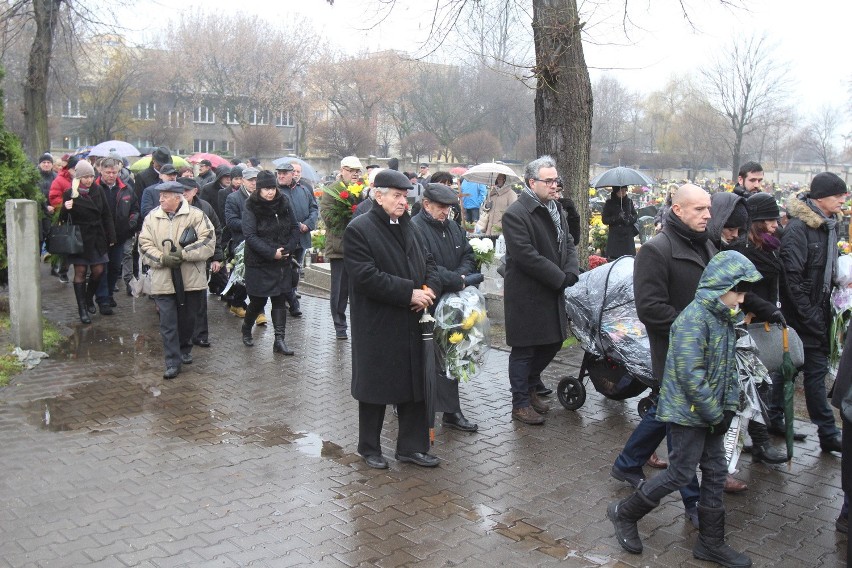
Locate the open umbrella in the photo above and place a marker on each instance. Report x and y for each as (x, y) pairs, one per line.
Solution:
(427, 330)
(177, 276)
(308, 172)
(487, 173)
(788, 373)
(621, 176)
(145, 161)
(458, 170)
(215, 160)
(123, 149)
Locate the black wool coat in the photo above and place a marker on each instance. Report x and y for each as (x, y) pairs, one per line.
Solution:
(91, 213)
(449, 247)
(536, 267)
(620, 215)
(267, 226)
(385, 265)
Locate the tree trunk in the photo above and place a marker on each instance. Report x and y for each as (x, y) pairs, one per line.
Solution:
(46, 15)
(563, 101)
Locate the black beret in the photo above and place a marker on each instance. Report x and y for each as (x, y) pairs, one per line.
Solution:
(266, 179)
(392, 179)
(188, 183)
(738, 217)
(826, 184)
(170, 187)
(762, 206)
(440, 193)
(162, 155)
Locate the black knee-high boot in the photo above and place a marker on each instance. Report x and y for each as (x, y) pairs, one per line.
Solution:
(279, 324)
(91, 289)
(248, 323)
(80, 294)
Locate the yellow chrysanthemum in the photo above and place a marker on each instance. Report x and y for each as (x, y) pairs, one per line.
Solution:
(469, 321)
(456, 337)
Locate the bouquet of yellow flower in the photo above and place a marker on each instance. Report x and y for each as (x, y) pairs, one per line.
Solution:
(598, 234)
(461, 332)
(345, 200)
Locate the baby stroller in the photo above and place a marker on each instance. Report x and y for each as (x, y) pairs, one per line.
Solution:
(602, 316)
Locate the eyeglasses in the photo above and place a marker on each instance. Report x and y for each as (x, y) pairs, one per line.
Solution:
(549, 181)
(353, 170)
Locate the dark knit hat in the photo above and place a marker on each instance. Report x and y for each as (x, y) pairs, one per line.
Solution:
(392, 179)
(188, 183)
(266, 179)
(762, 207)
(46, 157)
(71, 162)
(440, 193)
(827, 184)
(738, 217)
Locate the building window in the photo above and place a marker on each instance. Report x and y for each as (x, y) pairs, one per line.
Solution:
(204, 115)
(258, 117)
(227, 146)
(145, 111)
(199, 145)
(72, 142)
(73, 109)
(231, 117)
(283, 118)
(177, 118)
(140, 143)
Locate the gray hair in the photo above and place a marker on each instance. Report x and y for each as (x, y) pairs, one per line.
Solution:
(111, 163)
(384, 190)
(532, 169)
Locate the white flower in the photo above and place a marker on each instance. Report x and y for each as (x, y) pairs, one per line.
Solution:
(482, 245)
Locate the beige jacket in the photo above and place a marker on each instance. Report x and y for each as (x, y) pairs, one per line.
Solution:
(158, 227)
(496, 203)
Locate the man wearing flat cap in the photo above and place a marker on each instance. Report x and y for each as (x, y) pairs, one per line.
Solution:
(392, 281)
(169, 225)
(205, 173)
(151, 195)
(456, 264)
(151, 175)
(350, 173)
(809, 254)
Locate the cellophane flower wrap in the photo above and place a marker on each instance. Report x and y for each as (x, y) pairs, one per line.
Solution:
(841, 306)
(237, 266)
(345, 200)
(461, 332)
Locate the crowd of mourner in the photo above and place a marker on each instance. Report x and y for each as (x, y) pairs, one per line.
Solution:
(398, 242)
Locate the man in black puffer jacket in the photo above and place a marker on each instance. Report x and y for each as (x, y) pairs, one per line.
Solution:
(809, 254)
(457, 269)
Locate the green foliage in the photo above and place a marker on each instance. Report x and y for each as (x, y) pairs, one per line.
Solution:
(18, 177)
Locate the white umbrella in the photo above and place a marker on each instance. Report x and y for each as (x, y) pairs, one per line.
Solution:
(487, 173)
(123, 149)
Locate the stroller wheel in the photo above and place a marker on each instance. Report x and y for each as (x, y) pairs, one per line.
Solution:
(571, 393)
(643, 406)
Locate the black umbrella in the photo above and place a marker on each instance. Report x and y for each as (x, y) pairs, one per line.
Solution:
(177, 277)
(620, 177)
(427, 326)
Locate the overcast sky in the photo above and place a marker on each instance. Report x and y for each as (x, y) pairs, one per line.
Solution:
(810, 37)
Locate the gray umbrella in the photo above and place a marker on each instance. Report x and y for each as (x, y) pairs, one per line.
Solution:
(308, 172)
(621, 176)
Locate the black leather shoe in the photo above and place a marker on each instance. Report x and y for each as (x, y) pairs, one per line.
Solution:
(106, 310)
(186, 358)
(418, 458)
(634, 479)
(111, 301)
(171, 372)
(831, 445)
(767, 454)
(342, 335)
(297, 313)
(376, 462)
(298, 296)
(457, 421)
(201, 342)
(779, 430)
(542, 390)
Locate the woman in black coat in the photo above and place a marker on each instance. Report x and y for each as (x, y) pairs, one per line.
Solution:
(85, 205)
(271, 235)
(619, 214)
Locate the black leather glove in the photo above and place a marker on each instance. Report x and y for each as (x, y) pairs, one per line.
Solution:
(723, 425)
(474, 279)
(570, 280)
(777, 317)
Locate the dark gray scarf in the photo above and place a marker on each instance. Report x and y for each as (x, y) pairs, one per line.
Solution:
(832, 252)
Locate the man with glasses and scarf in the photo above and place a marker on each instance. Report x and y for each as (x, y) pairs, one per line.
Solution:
(541, 262)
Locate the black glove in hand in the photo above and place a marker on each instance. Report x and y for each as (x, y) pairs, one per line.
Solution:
(777, 317)
(473, 279)
(171, 260)
(570, 280)
(723, 425)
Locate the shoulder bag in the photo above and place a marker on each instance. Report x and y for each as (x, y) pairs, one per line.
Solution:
(65, 239)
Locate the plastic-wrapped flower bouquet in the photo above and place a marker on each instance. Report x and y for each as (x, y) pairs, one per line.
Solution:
(461, 332)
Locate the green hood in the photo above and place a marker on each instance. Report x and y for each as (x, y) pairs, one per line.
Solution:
(723, 272)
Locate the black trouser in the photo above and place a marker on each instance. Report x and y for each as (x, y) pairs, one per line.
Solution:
(339, 294)
(237, 296)
(446, 389)
(177, 324)
(258, 303)
(525, 367)
(413, 428)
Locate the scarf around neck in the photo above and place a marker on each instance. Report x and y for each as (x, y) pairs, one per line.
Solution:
(831, 260)
(554, 215)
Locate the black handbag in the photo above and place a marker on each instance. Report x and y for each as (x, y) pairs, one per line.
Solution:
(65, 238)
(188, 237)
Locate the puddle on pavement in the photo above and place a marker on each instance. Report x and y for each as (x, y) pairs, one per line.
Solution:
(279, 434)
(94, 343)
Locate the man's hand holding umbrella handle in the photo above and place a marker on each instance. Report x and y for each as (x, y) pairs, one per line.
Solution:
(171, 259)
(422, 299)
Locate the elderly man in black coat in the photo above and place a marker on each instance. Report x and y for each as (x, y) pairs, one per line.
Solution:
(448, 244)
(392, 280)
(541, 262)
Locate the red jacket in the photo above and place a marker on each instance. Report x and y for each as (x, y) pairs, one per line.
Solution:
(60, 185)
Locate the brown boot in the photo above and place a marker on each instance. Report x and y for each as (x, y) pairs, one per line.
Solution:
(538, 405)
(733, 485)
(657, 463)
(527, 415)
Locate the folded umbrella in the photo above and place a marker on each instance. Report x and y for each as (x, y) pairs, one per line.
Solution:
(427, 330)
(788, 373)
(177, 276)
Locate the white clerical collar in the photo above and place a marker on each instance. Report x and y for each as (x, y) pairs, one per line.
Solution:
(394, 221)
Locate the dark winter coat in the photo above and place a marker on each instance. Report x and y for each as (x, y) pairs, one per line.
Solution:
(305, 209)
(91, 213)
(234, 207)
(145, 178)
(210, 194)
(124, 208)
(572, 216)
(804, 254)
(449, 247)
(385, 264)
(217, 225)
(701, 379)
(536, 269)
(620, 215)
(45, 181)
(267, 226)
(206, 178)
